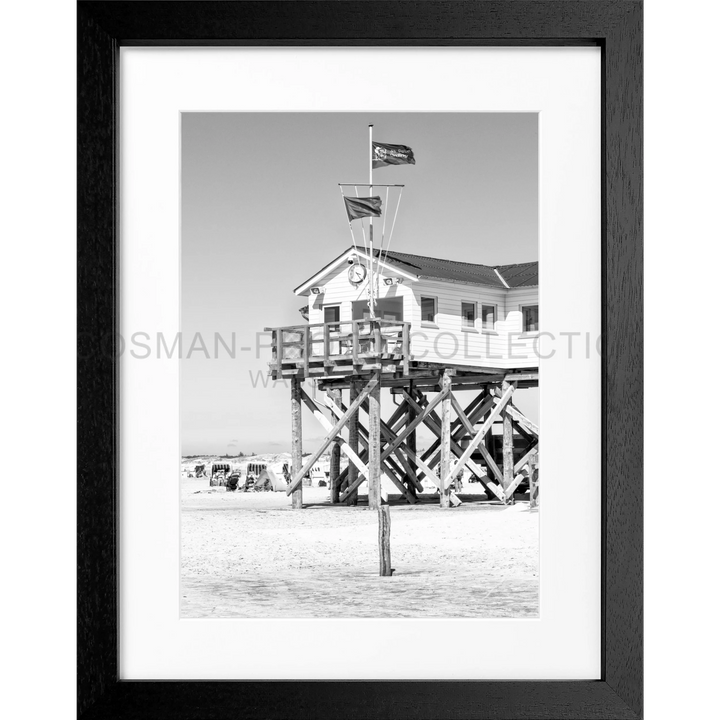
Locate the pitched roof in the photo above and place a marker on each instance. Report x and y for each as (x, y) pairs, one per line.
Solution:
(518, 275)
(421, 266)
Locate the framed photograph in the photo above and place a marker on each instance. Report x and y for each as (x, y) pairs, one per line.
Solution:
(314, 242)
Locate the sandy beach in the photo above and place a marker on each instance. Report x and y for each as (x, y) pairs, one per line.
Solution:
(249, 555)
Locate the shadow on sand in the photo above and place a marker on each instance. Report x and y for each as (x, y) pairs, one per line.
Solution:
(398, 500)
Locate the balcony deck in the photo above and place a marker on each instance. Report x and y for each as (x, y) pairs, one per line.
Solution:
(331, 352)
(346, 347)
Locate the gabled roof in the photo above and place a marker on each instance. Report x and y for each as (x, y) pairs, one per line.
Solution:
(454, 271)
(520, 275)
(340, 259)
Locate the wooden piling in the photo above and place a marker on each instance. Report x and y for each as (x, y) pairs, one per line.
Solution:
(297, 461)
(336, 397)
(508, 450)
(532, 480)
(411, 450)
(334, 479)
(353, 443)
(489, 438)
(445, 453)
(384, 540)
(375, 450)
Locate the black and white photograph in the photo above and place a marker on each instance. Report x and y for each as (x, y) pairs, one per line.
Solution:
(312, 367)
(360, 365)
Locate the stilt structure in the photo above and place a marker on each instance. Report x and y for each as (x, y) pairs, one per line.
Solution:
(508, 454)
(364, 345)
(334, 477)
(385, 451)
(354, 444)
(296, 421)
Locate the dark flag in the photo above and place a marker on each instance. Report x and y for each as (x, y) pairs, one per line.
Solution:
(385, 154)
(361, 207)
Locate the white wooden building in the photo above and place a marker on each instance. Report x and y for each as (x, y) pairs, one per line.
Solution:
(444, 332)
(460, 313)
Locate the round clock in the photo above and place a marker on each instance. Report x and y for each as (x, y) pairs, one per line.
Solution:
(356, 274)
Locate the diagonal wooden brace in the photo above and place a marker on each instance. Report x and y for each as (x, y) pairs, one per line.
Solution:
(487, 424)
(430, 455)
(397, 415)
(409, 471)
(528, 437)
(461, 416)
(523, 461)
(417, 421)
(520, 477)
(492, 465)
(476, 408)
(332, 434)
(351, 455)
(397, 441)
(468, 424)
(418, 461)
(389, 434)
(342, 478)
(392, 472)
(433, 423)
(396, 444)
(395, 473)
(519, 418)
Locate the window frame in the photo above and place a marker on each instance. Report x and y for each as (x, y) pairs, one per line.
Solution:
(525, 331)
(463, 326)
(336, 323)
(429, 323)
(492, 330)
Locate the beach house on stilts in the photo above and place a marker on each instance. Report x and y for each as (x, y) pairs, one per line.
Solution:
(453, 341)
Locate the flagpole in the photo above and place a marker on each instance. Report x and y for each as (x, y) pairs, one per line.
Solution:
(372, 255)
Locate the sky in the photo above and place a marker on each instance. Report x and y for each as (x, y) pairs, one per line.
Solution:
(262, 212)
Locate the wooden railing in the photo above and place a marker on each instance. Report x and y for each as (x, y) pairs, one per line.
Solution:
(347, 341)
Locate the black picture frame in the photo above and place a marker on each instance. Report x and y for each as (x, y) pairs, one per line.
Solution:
(615, 26)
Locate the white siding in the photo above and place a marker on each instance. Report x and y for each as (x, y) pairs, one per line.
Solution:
(448, 342)
(519, 345)
(339, 290)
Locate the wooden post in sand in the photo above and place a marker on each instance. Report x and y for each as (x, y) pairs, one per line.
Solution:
(531, 479)
(445, 453)
(508, 450)
(384, 540)
(297, 461)
(353, 443)
(411, 448)
(490, 438)
(374, 463)
(333, 480)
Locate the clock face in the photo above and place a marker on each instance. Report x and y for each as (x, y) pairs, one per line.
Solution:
(356, 274)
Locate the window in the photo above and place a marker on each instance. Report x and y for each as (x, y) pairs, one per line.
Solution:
(467, 311)
(531, 318)
(390, 309)
(332, 315)
(385, 308)
(428, 309)
(489, 313)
